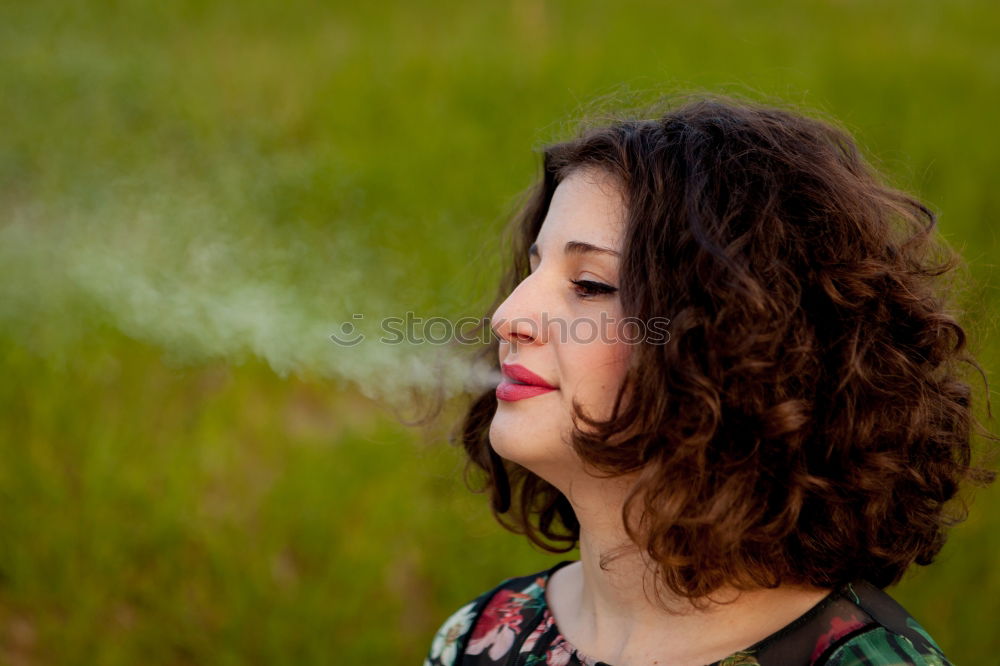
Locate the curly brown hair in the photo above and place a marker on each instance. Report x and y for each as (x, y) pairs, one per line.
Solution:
(807, 422)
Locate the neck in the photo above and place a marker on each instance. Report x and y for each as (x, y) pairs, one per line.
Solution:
(606, 613)
(612, 588)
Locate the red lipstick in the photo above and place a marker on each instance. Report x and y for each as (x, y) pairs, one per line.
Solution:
(521, 383)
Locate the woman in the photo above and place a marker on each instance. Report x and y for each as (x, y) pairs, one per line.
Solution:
(730, 377)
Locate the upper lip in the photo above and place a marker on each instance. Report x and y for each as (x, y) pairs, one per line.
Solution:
(519, 373)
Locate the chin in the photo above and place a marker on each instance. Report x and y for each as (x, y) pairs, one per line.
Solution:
(505, 437)
(529, 443)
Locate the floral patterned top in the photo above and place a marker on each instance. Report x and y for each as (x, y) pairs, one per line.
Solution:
(855, 625)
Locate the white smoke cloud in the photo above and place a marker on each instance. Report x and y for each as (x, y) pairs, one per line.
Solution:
(204, 281)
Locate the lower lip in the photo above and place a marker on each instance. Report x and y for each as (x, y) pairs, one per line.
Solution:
(510, 391)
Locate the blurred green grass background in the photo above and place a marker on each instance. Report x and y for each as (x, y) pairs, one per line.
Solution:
(164, 508)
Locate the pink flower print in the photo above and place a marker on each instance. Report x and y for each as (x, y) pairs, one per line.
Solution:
(543, 626)
(559, 652)
(498, 625)
(839, 626)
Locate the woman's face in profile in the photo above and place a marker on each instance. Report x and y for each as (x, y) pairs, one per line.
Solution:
(560, 324)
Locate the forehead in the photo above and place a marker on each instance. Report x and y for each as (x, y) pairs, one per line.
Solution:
(586, 206)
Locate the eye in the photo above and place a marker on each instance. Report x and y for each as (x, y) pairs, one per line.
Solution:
(589, 289)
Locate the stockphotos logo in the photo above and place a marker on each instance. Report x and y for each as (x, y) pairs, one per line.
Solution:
(411, 329)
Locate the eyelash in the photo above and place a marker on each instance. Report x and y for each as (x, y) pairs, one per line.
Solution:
(591, 288)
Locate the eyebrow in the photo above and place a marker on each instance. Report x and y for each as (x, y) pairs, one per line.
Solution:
(577, 247)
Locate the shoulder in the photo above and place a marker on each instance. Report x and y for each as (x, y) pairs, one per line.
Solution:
(452, 634)
(490, 622)
(878, 646)
(892, 637)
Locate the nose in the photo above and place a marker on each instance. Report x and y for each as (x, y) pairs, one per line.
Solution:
(518, 332)
(517, 320)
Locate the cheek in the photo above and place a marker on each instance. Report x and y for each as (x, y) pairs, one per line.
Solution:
(601, 369)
